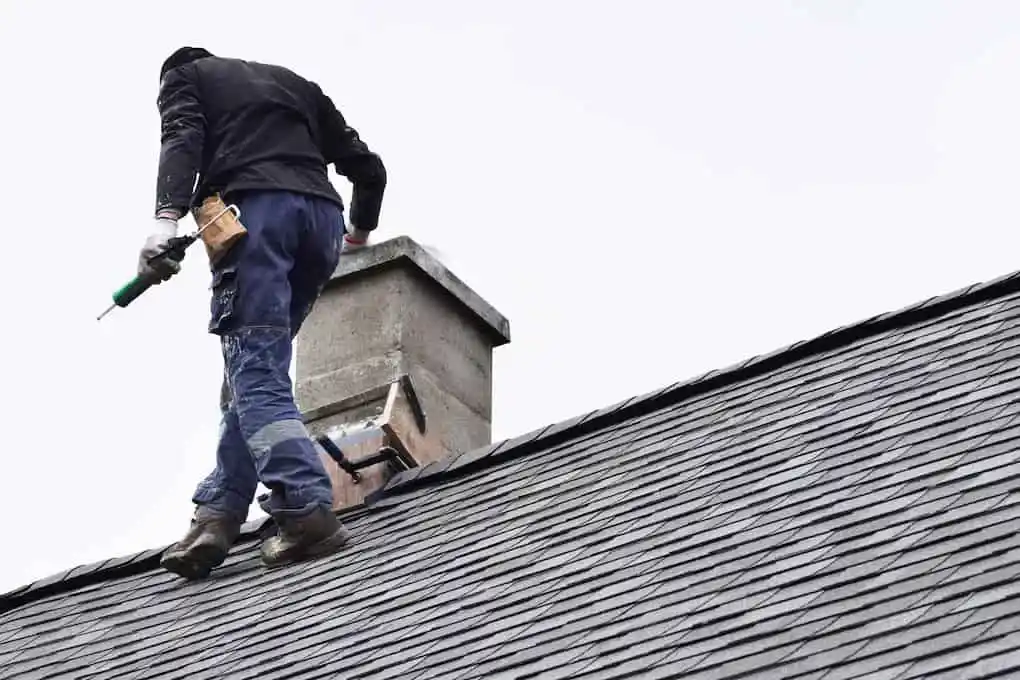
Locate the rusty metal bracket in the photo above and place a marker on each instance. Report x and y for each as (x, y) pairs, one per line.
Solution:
(337, 454)
(396, 459)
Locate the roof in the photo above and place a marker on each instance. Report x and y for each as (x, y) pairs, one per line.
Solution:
(843, 508)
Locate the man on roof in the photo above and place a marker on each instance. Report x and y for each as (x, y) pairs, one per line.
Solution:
(260, 136)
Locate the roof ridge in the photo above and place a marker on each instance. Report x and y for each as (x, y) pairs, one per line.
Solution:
(459, 464)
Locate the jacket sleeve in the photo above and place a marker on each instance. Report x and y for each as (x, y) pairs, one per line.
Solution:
(341, 146)
(182, 125)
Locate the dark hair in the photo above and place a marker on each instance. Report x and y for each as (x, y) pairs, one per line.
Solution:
(183, 56)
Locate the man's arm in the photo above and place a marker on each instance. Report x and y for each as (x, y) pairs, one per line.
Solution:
(352, 158)
(182, 137)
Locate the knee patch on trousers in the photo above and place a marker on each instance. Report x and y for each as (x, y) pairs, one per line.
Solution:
(274, 434)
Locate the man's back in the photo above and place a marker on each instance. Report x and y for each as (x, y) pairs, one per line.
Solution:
(249, 125)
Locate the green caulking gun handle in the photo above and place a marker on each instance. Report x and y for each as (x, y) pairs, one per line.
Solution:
(138, 285)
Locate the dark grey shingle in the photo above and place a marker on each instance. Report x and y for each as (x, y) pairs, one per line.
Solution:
(850, 514)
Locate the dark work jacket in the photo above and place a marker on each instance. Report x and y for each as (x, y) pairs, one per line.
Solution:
(236, 125)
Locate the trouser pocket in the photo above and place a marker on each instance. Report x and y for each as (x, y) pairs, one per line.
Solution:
(224, 298)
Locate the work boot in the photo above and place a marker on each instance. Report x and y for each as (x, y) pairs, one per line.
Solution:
(313, 535)
(205, 546)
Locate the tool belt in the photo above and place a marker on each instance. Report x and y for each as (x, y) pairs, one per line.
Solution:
(224, 228)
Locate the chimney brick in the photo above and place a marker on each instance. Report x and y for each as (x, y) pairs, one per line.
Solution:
(395, 342)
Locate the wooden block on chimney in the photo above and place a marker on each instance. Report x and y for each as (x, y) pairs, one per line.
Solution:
(388, 417)
(402, 428)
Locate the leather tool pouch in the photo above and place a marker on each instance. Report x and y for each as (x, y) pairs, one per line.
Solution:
(224, 231)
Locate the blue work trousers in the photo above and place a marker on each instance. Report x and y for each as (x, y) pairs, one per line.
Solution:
(262, 291)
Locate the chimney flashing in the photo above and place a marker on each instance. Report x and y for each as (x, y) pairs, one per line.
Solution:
(401, 250)
(395, 336)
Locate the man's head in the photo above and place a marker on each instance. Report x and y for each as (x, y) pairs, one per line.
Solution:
(183, 56)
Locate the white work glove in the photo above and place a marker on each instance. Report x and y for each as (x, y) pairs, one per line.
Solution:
(165, 228)
(354, 239)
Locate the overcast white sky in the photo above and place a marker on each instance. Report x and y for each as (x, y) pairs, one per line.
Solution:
(647, 190)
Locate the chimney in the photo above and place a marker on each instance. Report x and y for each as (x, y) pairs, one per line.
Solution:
(394, 367)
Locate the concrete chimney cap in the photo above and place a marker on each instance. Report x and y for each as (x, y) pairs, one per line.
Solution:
(403, 250)
(394, 309)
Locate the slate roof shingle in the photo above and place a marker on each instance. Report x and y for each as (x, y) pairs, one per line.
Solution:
(844, 508)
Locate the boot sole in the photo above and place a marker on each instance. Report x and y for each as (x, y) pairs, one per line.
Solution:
(329, 545)
(196, 563)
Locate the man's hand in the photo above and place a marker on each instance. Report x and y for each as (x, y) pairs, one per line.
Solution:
(354, 239)
(163, 268)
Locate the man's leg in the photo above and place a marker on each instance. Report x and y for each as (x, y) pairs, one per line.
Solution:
(251, 313)
(230, 487)
(284, 456)
(318, 254)
(222, 501)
